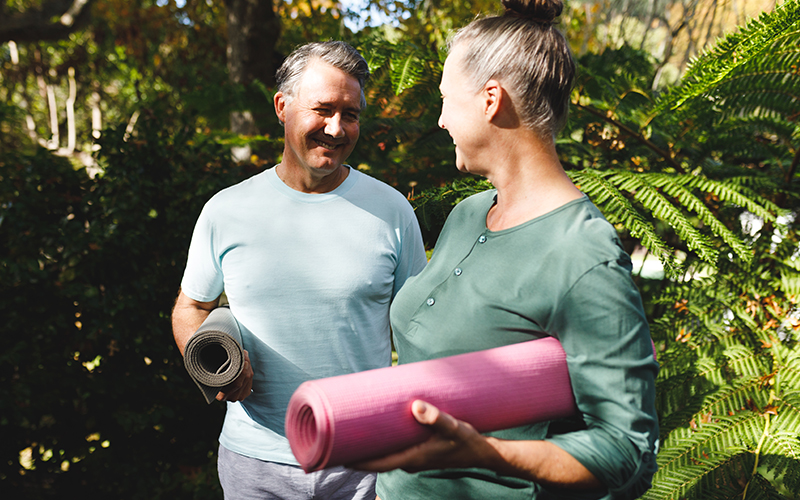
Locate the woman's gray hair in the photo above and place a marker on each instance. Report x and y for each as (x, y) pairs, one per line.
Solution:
(338, 54)
(532, 60)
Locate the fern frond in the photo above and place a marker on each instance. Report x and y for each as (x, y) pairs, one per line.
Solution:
(789, 375)
(688, 455)
(649, 189)
(433, 205)
(619, 210)
(703, 399)
(405, 69)
(745, 362)
(786, 469)
(676, 187)
(735, 191)
(662, 209)
(735, 51)
(750, 137)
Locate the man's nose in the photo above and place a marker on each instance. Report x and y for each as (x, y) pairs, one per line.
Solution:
(333, 126)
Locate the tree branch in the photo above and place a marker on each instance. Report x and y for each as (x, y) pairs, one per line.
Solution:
(793, 168)
(664, 154)
(787, 179)
(37, 24)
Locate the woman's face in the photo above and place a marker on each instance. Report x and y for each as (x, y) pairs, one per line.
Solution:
(462, 115)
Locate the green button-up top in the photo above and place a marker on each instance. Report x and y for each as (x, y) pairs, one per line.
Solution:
(565, 275)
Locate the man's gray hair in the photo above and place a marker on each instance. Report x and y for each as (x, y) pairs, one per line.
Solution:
(338, 54)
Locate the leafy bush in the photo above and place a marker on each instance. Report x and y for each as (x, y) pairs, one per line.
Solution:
(94, 397)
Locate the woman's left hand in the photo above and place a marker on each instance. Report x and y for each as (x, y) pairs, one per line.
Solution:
(455, 444)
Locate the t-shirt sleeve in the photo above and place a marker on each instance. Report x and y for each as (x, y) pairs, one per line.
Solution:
(603, 330)
(202, 278)
(412, 257)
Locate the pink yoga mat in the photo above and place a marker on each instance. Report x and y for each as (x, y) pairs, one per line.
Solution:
(349, 418)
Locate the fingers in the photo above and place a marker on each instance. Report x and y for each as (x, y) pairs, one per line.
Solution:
(441, 422)
(446, 446)
(240, 388)
(424, 413)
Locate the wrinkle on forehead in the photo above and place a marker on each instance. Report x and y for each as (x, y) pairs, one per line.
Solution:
(343, 87)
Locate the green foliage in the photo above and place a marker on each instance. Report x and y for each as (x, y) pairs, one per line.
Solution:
(149, 54)
(672, 199)
(434, 205)
(401, 142)
(95, 400)
(730, 379)
(727, 393)
(612, 129)
(745, 64)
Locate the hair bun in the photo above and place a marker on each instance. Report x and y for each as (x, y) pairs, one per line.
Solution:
(540, 11)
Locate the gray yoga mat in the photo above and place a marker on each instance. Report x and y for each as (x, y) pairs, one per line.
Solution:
(213, 356)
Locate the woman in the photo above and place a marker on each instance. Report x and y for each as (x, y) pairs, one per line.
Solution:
(531, 258)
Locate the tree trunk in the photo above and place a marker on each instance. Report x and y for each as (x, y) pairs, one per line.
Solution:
(253, 30)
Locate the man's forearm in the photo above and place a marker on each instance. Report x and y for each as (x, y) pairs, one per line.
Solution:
(187, 316)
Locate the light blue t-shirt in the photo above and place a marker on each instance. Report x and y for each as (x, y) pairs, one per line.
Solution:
(309, 278)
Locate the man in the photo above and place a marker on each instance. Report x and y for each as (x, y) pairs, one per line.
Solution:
(309, 254)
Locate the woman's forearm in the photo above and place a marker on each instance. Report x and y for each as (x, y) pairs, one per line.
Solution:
(539, 461)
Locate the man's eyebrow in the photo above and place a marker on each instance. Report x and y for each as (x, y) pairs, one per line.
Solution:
(331, 104)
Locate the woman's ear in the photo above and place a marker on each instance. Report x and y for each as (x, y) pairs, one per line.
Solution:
(498, 107)
(493, 98)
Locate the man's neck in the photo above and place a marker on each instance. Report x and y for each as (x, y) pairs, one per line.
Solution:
(311, 184)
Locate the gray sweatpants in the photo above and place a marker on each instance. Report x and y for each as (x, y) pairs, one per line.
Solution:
(245, 478)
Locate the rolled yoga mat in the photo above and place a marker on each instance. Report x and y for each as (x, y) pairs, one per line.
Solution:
(213, 356)
(350, 418)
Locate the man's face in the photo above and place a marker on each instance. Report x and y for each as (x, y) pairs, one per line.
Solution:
(320, 120)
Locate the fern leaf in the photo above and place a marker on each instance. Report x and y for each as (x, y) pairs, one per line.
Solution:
(735, 191)
(619, 210)
(405, 72)
(673, 186)
(662, 209)
(734, 51)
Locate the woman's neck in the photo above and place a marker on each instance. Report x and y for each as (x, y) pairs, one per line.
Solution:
(530, 182)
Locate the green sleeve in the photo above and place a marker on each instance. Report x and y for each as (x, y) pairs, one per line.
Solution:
(601, 325)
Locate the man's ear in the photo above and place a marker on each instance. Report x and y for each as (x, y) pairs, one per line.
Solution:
(280, 106)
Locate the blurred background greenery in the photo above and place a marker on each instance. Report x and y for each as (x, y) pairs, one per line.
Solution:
(119, 119)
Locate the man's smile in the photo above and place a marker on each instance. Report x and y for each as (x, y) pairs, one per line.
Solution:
(327, 145)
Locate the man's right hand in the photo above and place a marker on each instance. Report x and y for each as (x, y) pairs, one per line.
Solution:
(187, 316)
(240, 388)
